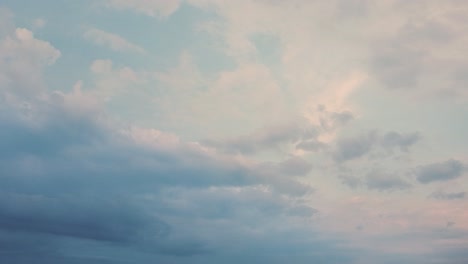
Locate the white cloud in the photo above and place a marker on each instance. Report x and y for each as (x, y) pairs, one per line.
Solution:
(112, 41)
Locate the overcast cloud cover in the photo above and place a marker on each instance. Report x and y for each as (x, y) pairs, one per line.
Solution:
(247, 131)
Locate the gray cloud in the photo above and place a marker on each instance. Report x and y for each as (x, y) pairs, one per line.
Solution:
(376, 180)
(359, 146)
(448, 195)
(442, 171)
(385, 182)
(403, 141)
(356, 147)
(81, 217)
(311, 145)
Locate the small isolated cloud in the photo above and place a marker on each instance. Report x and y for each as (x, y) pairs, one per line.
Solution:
(442, 171)
(448, 195)
(112, 41)
(154, 8)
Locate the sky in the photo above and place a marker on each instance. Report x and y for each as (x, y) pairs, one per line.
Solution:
(247, 131)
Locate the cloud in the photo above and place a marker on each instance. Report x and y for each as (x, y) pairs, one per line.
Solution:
(352, 148)
(356, 147)
(112, 41)
(80, 184)
(270, 137)
(71, 176)
(376, 179)
(442, 171)
(350, 181)
(154, 8)
(79, 217)
(403, 141)
(419, 51)
(448, 195)
(23, 58)
(385, 182)
(295, 166)
(66, 176)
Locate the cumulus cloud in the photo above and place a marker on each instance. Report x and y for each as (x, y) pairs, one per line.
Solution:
(440, 171)
(112, 41)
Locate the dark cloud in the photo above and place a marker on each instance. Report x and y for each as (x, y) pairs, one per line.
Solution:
(448, 195)
(442, 171)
